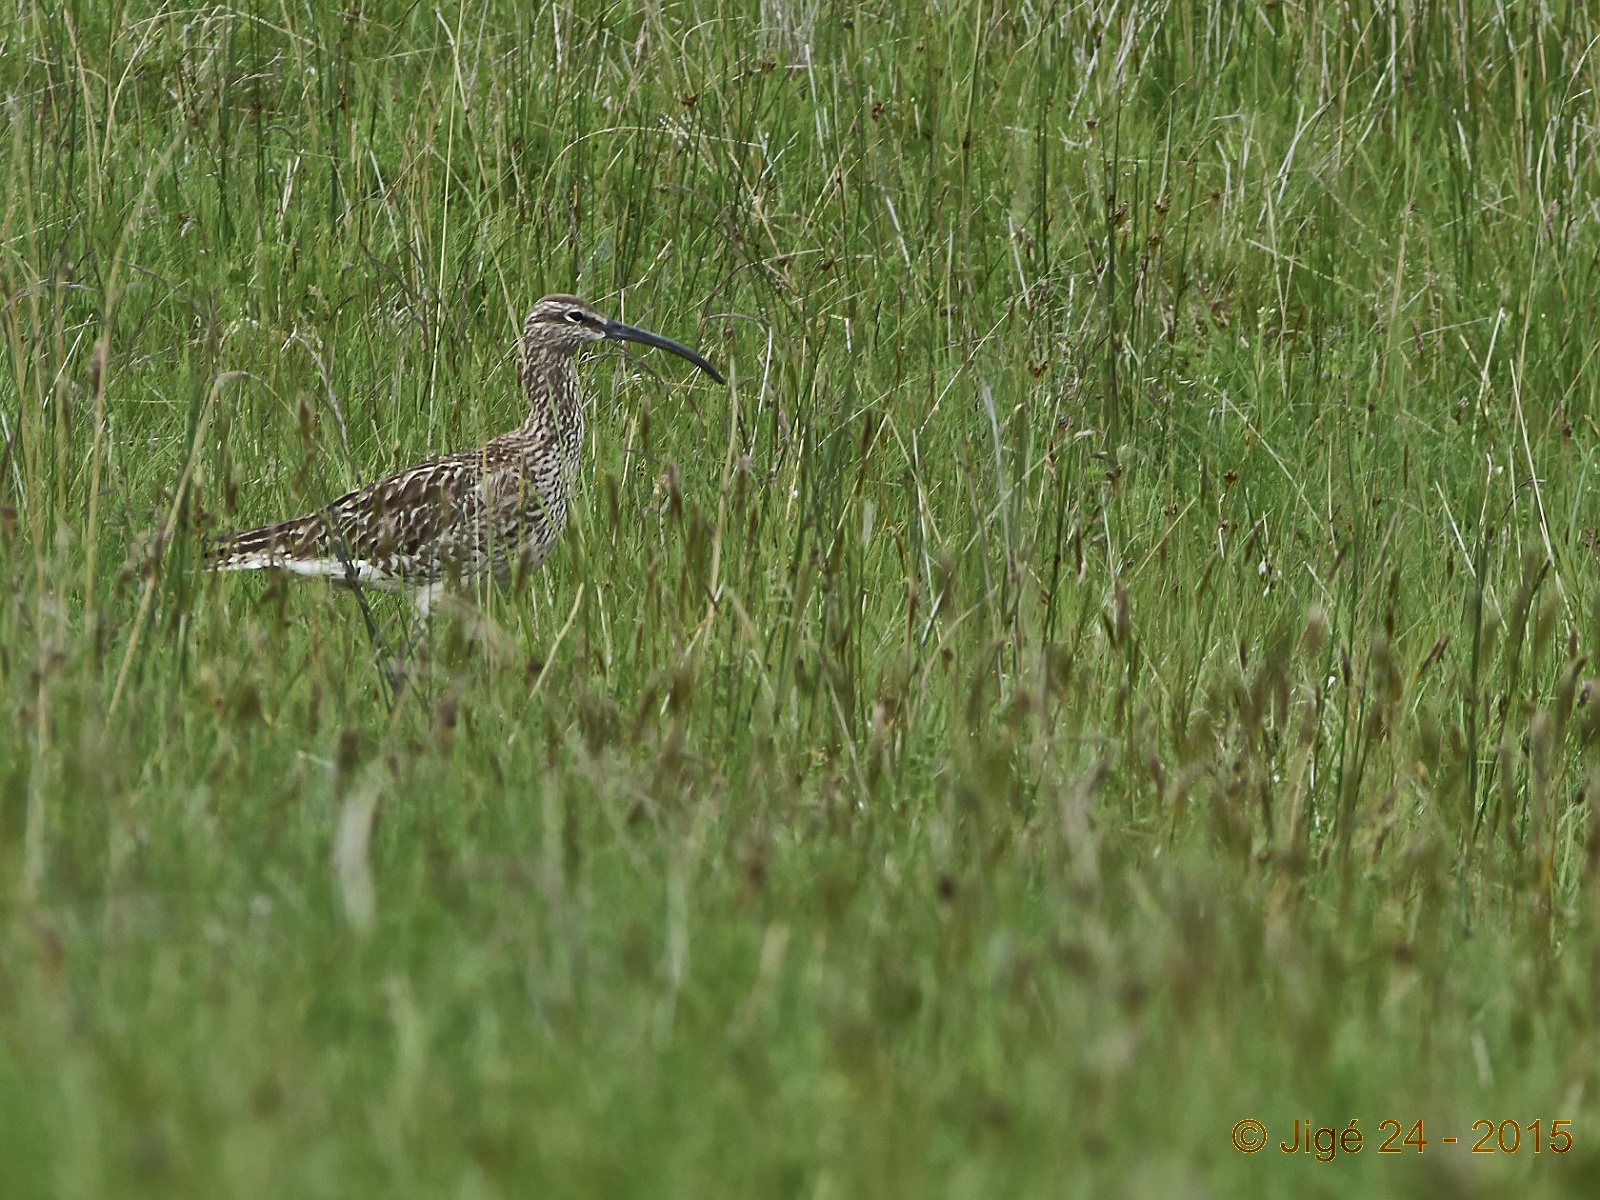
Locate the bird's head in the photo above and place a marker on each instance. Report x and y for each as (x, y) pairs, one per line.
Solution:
(566, 324)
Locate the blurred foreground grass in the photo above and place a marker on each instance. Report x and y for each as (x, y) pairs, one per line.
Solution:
(1115, 661)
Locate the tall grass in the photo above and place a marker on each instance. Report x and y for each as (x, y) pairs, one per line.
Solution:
(1114, 661)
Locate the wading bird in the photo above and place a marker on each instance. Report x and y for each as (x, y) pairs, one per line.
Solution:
(496, 510)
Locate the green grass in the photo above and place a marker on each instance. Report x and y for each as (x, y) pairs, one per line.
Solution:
(1114, 661)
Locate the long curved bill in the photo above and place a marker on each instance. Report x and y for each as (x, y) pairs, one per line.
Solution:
(617, 331)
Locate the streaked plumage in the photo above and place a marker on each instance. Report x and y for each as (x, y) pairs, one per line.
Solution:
(490, 511)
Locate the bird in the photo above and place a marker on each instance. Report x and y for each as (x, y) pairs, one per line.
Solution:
(496, 510)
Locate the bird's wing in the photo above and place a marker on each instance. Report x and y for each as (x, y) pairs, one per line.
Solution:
(388, 527)
(411, 516)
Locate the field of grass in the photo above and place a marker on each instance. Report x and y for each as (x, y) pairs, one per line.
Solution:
(1113, 663)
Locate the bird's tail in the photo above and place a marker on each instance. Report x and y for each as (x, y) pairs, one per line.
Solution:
(280, 545)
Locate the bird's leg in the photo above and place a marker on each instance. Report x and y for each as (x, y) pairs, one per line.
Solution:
(425, 596)
(394, 674)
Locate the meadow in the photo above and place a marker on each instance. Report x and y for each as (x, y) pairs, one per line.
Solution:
(1115, 662)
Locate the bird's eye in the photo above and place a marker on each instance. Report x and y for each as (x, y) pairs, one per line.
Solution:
(575, 315)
